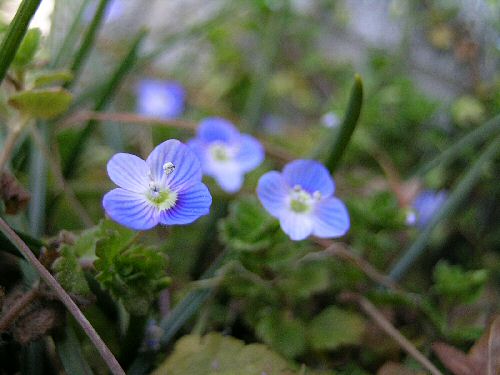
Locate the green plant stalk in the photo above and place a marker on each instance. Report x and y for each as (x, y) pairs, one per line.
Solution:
(70, 38)
(102, 101)
(133, 339)
(456, 197)
(347, 127)
(477, 135)
(15, 34)
(38, 180)
(101, 347)
(270, 44)
(88, 41)
(70, 353)
(182, 312)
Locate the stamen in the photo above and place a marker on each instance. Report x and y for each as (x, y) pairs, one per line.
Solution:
(297, 188)
(168, 167)
(316, 195)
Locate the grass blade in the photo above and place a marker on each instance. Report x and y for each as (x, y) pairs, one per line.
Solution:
(15, 33)
(456, 197)
(70, 354)
(347, 127)
(102, 101)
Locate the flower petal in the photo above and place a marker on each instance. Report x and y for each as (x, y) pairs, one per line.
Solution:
(330, 218)
(129, 172)
(297, 226)
(272, 192)
(191, 204)
(130, 209)
(250, 154)
(199, 148)
(229, 177)
(310, 175)
(427, 204)
(217, 129)
(187, 170)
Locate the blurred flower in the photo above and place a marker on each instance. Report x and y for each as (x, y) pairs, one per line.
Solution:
(425, 206)
(330, 120)
(158, 98)
(225, 153)
(165, 189)
(301, 197)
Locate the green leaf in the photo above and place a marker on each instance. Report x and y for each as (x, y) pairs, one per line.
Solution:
(132, 273)
(283, 333)
(28, 48)
(248, 227)
(215, 354)
(69, 273)
(335, 327)
(458, 285)
(55, 77)
(43, 103)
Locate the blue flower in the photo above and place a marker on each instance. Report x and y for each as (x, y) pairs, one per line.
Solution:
(425, 206)
(158, 98)
(225, 153)
(301, 197)
(165, 189)
(114, 10)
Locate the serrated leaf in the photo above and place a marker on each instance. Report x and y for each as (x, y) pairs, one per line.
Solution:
(215, 354)
(459, 285)
(248, 227)
(335, 327)
(69, 273)
(42, 103)
(52, 78)
(28, 48)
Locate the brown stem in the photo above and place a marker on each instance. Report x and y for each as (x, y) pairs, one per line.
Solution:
(103, 350)
(375, 314)
(17, 309)
(338, 250)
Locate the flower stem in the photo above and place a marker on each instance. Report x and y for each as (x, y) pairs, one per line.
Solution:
(15, 34)
(103, 350)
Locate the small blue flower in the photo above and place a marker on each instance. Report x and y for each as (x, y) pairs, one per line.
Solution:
(225, 153)
(301, 197)
(158, 98)
(425, 206)
(165, 189)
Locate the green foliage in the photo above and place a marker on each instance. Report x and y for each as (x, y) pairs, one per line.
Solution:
(223, 355)
(458, 285)
(53, 77)
(42, 103)
(248, 226)
(28, 48)
(334, 327)
(133, 273)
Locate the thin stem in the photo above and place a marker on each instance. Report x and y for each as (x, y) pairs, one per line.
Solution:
(18, 308)
(370, 310)
(103, 350)
(338, 250)
(15, 34)
(459, 194)
(60, 181)
(88, 41)
(8, 147)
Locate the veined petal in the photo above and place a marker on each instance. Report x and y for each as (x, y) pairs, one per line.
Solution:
(250, 154)
(330, 218)
(310, 175)
(191, 204)
(297, 226)
(187, 171)
(129, 172)
(217, 129)
(272, 192)
(130, 209)
(227, 174)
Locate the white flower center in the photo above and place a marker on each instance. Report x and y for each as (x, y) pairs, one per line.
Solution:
(301, 201)
(220, 152)
(162, 197)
